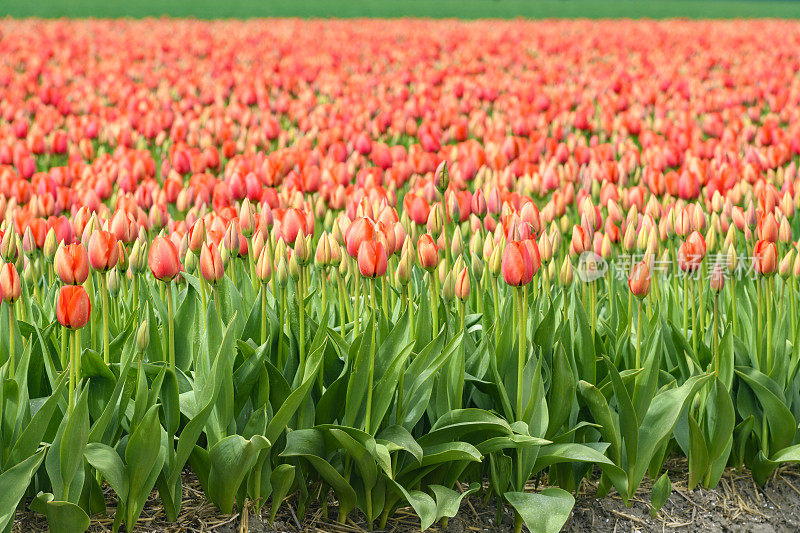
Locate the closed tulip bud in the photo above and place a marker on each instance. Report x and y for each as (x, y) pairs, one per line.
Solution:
(698, 218)
(427, 253)
(605, 247)
(197, 235)
(103, 251)
(28, 242)
(8, 247)
(344, 268)
(462, 285)
(294, 268)
(476, 243)
(496, 260)
(718, 279)
(566, 274)
(163, 259)
(404, 269)
(449, 287)
(639, 280)
(73, 307)
(282, 272)
(711, 239)
(629, 240)
(441, 178)
(190, 262)
(143, 335)
(731, 259)
(264, 266)
(28, 270)
(113, 280)
(247, 218)
(796, 267)
(457, 243)
(280, 249)
(459, 264)
(730, 238)
(72, 264)
(785, 231)
(50, 244)
(258, 243)
(785, 266)
(477, 266)
(211, 265)
(231, 240)
(123, 260)
(322, 255)
(435, 221)
(138, 255)
(478, 204)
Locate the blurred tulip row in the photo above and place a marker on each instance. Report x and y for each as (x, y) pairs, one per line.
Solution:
(480, 259)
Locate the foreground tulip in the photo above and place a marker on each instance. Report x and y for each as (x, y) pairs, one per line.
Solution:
(163, 259)
(10, 286)
(372, 260)
(103, 251)
(517, 264)
(72, 264)
(765, 258)
(639, 284)
(73, 310)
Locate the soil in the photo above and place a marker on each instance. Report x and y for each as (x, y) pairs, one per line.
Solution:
(736, 505)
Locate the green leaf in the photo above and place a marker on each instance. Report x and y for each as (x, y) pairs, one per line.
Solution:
(399, 438)
(281, 479)
(231, 460)
(660, 493)
(781, 423)
(544, 512)
(108, 463)
(15, 481)
(423, 504)
(448, 501)
(698, 453)
(144, 456)
(62, 517)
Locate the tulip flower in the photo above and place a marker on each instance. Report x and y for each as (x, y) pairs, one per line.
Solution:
(639, 284)
(72, 264)
(517, 264)
(103, 251)
(372, 259)
(73, 310)
(10, 292)
(165, 266)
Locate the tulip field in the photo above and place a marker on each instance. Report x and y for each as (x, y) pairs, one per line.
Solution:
(383, 267)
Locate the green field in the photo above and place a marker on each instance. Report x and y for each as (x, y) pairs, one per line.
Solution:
(468, 9)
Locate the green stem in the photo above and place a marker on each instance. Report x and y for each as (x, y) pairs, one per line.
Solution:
(204, 300)
(357, 300)
(252, 263)
(171, 325)
(368, 419)
(263, 313)
(639, 335)
(434, 304)
(496, 304)
(323, 290)
(385, 298)
(521, 355)
(298, 289)
(461, 313)
(734, 305)
(64, 346)
(716, 334)
(757, 339)
(12, 339)
(342, 307)
(72, 372)
(695, 330)
(768, 301)
(106, 342)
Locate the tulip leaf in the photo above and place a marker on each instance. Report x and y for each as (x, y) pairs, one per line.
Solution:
(15, 481)
(231, 459)
(449, 501)
(62, 517)
(544, 512)
(662, 489)
(281, 479)
(779, 419)
(109, 464)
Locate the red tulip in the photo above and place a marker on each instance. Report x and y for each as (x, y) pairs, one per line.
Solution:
(372, 260)
(427, 252)
(765, 258)
(10, 287)
(103, 251)
(462, 284)
(361, 230)
(517, 264)
(639, 280)
(211, 263)
(163, 259)
(73, 307)
(72, 264)
(692, 252)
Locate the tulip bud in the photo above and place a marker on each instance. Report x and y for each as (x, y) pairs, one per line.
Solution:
(449, 287)
(462, 284)
(294, 268)
(163, 259)
(718, 279)
(476, 243)
(639, 280)
(282, 272)
(231, 240)
(50, 244)
(496, 260)
(404, 269)
(457, 243)
(441, 178)
(113, 280)
(143, 335)
(629, 240)
(10, 285)
(435, 221)
(322, 256)
(264, 266)
(785, 266)
(566, 274)
(211, 264)
(8, 247)
(137, 256)
(73, 307)
(246, 218)
(731, 259)
(190, 262)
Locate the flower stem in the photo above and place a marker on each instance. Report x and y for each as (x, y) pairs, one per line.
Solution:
(521, 356)
(639, 335)
(434, 304)
(263, 313)
(106, 343)
(768, 302)
(716, 334)
(73, 371)
(302, 311)
(171, 325)
(368, 420)
(12, 339)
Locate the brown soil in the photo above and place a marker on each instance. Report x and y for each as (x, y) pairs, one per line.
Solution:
(736, 505)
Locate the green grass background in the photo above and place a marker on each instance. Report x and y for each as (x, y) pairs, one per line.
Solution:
(468, 9)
